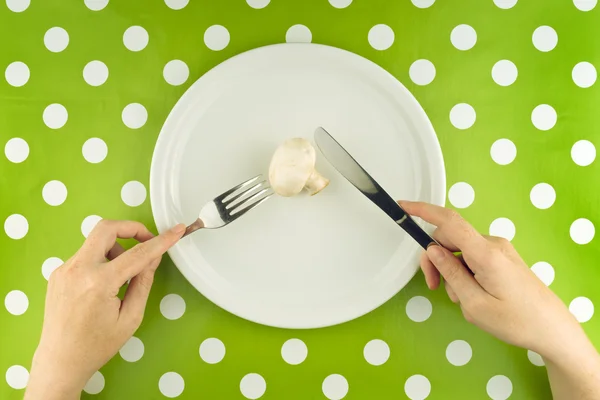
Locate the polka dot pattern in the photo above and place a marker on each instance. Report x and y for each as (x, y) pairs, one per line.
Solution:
(176, 4)
(16, 302)
(422, 72)
(50, 265)
(212, 351)
(132, 350)
(134, 115)
(17, 5)
(422, 3)
(253, 386)
(463, 37)
(417, 387)
(582, 308)
(459, 353)
(582, 231)
(585, 5)
(54, 193)
(462, 116)
(133, 193)
(258, 4)
(376, 352)
(535, 358)
(340, 3)
(17, 74)
(503, 227)
(545, 38)
(335, 387)
(96, 5)
(419, 309)
(505, 4)
(216, 37)
(96, 384)
(171, 384)
(542, 196)
(503, 151)
(17, 377)
(56, 39)
(544, 117)
(298, 34)
(461, 195)
(95, 73)
(16, 150)
(544, 271)
(504, 73)
(16, 226)
(381, 37)
(55, 116)
(176, 72)
(89, 223)
(94, 150)
(499, 387)
(583, 153)
(584, 74)
(294, 351)
(172, 306)
(136, 38)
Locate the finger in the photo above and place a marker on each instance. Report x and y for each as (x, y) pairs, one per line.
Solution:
(135, 299)
(444, 240)
(136, 259)
(451, 294)
(457, 231)
(432, 275)
(455, 273)
(104, 235)
(115, 252)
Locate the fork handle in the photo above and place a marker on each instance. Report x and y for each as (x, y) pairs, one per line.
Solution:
(196, 225)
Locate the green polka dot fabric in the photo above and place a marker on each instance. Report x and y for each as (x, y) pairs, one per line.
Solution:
(510, 86)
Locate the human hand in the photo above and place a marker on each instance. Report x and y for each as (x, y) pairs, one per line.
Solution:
(497, 292)
(85, 323)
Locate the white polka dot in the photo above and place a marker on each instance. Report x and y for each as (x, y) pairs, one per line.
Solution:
(423, 3)
(376, 352)
(462, 116)
(504, 72)
(50, 265)
(582, 231)
(55, 116)
(94, 150)
(253, 386)
(340, 3)
(96, 5)
(135, 38)
(258, 4)
(499, 387)
(17, 74)
(544, 38)
(95, 73)
(133, 193)
(461, 195)
(335, 387)
(216, 37)
(132, 350)
(503, 227)
(463, 37)
(171, 384)
(298, 34)
(134, 115)
(56, 39)
(16, 302)
(544, 117)
(172, 306)
(16, 150)
(419, 308)
(17, 5)
(422, 72)
(294, 351)
(89, 223)
(535, 358)
(582, 308)
(95, 384)
(503, 151)
(176, 4)
(542, 196)
(17, 377)
(417, 387)
(381, 37)
(16, 226)
(212, 351)
(584, 74)
(176, 72)
(54, 193)
(583, 153)
(459, 353)
(505, 4)
(585, 5)
(544, 271)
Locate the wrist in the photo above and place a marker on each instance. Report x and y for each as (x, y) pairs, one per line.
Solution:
(572, 351)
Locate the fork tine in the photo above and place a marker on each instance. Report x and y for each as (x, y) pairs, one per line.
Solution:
(238, 212)
(249, 200)
(237, 199)
(231, 191)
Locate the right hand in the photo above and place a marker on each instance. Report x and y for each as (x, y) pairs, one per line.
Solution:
(497, 291)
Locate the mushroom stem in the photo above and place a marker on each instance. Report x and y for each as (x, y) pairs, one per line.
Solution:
(316, 182)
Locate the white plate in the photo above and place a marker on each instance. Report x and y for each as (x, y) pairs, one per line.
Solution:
(303, 262)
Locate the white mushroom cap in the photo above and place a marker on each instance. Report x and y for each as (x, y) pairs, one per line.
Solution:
(293, 169)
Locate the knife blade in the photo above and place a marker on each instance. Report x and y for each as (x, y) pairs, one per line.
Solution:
(360, 179)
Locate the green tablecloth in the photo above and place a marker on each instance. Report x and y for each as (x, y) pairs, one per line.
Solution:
(508, 85)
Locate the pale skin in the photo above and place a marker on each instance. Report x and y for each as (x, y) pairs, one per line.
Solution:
(86, 324)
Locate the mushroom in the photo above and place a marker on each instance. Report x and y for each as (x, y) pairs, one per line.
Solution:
(293, 169)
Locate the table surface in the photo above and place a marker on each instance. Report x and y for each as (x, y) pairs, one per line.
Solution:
(508, 85)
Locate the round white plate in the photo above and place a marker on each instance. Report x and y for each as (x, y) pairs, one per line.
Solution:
(302, 262)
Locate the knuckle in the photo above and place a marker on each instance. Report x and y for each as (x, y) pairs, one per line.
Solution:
(454, 215)
(140, 250)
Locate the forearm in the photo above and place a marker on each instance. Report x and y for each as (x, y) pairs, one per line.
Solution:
(51, 380)
(574, 370)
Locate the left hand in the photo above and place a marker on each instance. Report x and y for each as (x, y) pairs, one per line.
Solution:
(85, 323)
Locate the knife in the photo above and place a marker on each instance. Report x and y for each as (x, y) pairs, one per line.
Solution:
(357, 176)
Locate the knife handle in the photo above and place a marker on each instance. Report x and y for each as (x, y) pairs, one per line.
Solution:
(416, 232)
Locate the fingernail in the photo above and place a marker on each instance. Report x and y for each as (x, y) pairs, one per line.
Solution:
(435, 253)
(178, 229)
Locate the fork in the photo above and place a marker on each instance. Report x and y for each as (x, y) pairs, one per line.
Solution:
(231, 205)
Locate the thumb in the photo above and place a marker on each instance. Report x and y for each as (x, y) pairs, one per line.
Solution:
(454, 272)
(136, 297)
